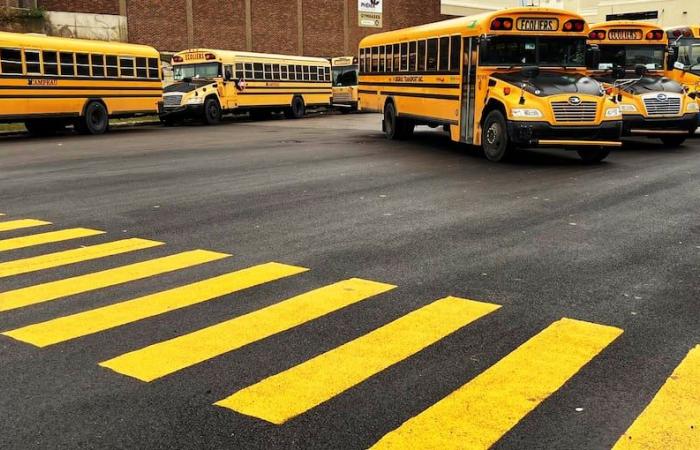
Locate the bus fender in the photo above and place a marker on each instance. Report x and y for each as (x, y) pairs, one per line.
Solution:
(90, 100)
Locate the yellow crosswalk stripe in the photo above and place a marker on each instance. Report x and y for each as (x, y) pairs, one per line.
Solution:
(297, 390)
(672, 419)
(53, 290)
(21, 223)
(46, 238)
(176, 354)
(479, 413)
(26, 265)
(107, 317)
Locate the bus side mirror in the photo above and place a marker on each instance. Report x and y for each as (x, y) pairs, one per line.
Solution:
(593, 56)
(640, 70)
(228, 75)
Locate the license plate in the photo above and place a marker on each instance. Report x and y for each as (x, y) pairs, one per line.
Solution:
(537, 24)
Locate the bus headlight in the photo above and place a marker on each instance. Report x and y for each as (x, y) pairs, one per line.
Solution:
(195, 100)
(626, 107)
(529, 113)
(693, 107)
(612, 112)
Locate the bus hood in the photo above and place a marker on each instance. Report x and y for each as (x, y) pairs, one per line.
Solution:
(553, 83)
(186, 86)
(648, 84)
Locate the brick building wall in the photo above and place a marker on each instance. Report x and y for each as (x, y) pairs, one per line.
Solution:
(273, 24)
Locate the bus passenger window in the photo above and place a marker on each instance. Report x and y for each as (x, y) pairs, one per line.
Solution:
(50, 63)
(314, 73)
(307, 75)
(375, 59)
(249, 71)
(432, 55)
(257, 71)
(412, 56)
(268, 71)
(421, 56)
(112, 68)
(11, 61)
(404, 56)
(126, 67)
(299, 75)
(275, 71)
(153, 71)
(397, 57)
(455, 52)
(444, 65)
(82, 64)
(389, 58)
(238, 73)
(141, 69)
(67, 67)
(98, 65)
(382, 58)
(328, 74)
(284, 75)
(32, 61)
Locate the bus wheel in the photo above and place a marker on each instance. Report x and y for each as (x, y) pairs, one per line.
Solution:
(497, 146)
(212, 111)
(593, 155)
(43, 127)
(297, 110)
(396, 127)
(94, 121)
(673, 141)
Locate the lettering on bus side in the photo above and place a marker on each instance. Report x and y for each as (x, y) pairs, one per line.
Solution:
(191, 56)
(625, 35)
(41, 82)
(537, 24)
(408, 79)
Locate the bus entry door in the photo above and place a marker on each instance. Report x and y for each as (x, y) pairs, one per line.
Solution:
(469, 61)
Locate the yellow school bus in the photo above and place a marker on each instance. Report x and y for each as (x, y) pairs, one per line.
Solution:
(49, 82)
(209, 83)
(344, 70)
(684, 60)
(632, 61)
(504, 79)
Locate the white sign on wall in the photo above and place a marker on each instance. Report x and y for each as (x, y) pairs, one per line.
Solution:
(369, 13)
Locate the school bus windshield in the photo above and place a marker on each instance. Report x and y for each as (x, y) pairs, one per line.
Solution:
(345, 76)
(203, 70)
(630, 56)
(689, 54)
(534, 50)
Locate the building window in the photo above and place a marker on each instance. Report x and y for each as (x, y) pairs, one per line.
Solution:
(644, 15)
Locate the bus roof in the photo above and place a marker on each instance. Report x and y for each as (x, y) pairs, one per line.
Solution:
(39, 41)
(630, 38)
(229, 54)
(683, 31)
(475, 25)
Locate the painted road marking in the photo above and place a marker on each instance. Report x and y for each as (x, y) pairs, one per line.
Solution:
(41, 293)
(479, 413)
(46, 238)
(672, 419)
(176, 354)
(21, 223)
(101, 319)
(301, 388)
(73, 256)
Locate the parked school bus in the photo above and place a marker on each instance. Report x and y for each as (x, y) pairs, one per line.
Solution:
(209, 83)
(505, 79)
(632, 62)
(49, 82)
(684, 60)
(344, 71)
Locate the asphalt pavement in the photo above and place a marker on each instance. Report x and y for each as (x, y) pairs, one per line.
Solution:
(431, 295)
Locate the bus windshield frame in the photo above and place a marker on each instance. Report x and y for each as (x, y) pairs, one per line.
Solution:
(344, 76)
(631, 56)
(197, 71)
(519, 50)
(688, 53)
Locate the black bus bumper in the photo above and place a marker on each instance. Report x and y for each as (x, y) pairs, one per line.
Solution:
(637, 125)
(526, 133)
(180, 112)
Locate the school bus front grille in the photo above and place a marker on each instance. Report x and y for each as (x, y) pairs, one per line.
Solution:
(342, 97)
(172, 101)
(663, 107)
(567, 112)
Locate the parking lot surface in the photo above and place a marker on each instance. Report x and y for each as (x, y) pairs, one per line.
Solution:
(309, 284)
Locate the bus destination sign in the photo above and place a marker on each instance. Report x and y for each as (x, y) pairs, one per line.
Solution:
(537, 24)
(625, 35)
(194, 55)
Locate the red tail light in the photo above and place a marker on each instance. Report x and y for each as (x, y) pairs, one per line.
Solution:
(574, 25)
(177, 59)
(600, 35)
(209, 56)
(502, 23)
(655, 35)
(676, 33)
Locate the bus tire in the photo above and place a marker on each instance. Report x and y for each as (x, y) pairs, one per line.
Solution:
(495, 141)
(673, 141)
(395, 127)
(95, 119)
(593, 155)
(43, 127)
(297, 109)
(211, 113)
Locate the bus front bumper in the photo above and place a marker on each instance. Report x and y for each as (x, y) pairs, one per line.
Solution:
(179, 111)
(528, 133)
(638, 125)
